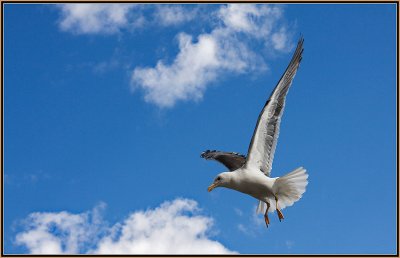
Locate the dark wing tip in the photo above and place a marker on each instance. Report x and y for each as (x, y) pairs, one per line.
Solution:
(241, 155)
(205, 154)
(301, 39)
(210, 154)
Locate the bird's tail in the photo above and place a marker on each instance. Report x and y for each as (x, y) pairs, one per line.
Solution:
(260, 207)
(288, 188)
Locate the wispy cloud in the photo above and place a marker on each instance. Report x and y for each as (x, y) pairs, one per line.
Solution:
(225, 49)
(172, 228)
(255, 223)
(202, 59)
(168, 15)
(238, 211)
(94, 18)
(105, 66)
(289, 244)
(113, 18)
(280, 40)
(31, 178)
(257, 20)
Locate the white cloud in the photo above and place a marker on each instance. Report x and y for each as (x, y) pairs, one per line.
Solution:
(225, 49)
(192, 69)
(112, 18)
(280, 40)
(172, 228)
(173, 14)
(95, 18)
(202, 59)
(62, 232)
(257, 20)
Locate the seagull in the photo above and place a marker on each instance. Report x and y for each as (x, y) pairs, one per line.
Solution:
(252, 174)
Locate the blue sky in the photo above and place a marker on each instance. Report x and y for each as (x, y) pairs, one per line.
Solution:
(107, 109)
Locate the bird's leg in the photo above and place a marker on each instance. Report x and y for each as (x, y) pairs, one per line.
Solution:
(266, 215)
(280, 214)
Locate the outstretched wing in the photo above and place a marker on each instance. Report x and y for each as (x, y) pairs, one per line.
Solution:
(231, 160)
(265, 137)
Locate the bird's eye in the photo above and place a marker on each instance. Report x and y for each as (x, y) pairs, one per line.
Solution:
(218, 178)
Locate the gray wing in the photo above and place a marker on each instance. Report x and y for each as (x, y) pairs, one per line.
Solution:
(263, 143)
(231, 160)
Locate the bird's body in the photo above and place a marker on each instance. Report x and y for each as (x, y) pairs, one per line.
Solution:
(251, 175)
(252, 183)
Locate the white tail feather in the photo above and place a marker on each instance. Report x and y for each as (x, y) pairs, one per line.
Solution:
(289, 189)
(260, 207)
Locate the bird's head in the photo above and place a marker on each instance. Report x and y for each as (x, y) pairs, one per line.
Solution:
(222, 179)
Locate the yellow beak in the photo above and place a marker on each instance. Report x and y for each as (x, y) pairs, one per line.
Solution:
(212, 186)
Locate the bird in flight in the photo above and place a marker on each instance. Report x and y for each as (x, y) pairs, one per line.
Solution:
(252, 174)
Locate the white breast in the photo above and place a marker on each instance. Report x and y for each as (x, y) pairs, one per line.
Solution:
(253, 183)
